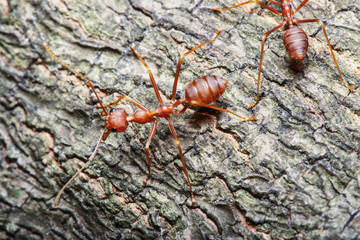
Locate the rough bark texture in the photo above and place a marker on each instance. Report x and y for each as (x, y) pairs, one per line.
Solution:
(293, 174)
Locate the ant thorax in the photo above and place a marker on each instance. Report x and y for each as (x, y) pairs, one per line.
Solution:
(141, 116)
(287, 13)
(164, 110)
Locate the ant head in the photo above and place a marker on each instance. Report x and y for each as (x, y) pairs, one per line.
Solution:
(115, 121)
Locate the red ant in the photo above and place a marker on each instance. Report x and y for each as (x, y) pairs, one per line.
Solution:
(295, 39)
(200, 92)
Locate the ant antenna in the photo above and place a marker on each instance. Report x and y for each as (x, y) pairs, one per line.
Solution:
(77, 74)
(80, 170)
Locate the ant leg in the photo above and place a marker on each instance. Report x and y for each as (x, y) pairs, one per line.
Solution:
(261, 59)
(116, 102)
(327, 39)
(180, 60)
(182, 159)
(194, 103)
(251, 1)
(153, 130)
(274, 2)
(130, 100)
(76, 73)
(300, 6)
(182, 110)
(150, 75)
(80, 170)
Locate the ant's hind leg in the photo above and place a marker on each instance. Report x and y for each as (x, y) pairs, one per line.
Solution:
(194, 103)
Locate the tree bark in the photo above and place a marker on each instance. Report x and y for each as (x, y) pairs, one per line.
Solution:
(292, 174)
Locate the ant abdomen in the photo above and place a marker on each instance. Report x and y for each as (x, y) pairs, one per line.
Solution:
(206, 89)
(296, 42)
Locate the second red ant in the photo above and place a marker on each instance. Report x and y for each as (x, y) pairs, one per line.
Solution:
(295, 39)
(200, 92)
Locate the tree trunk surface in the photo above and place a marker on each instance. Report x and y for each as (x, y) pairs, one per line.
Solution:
(292, 174)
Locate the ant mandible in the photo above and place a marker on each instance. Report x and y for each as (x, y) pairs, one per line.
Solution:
(295, 39)
(200, 92)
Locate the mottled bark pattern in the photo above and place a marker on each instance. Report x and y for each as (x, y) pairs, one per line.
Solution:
(295, 173)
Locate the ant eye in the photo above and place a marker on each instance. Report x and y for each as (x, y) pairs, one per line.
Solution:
(113, 129)
(113, 109)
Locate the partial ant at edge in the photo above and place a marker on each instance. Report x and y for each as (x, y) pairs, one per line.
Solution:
(295, 39)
